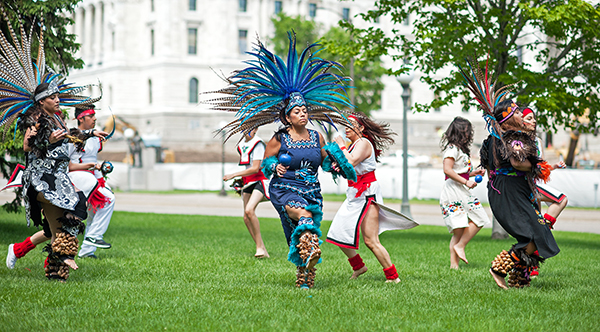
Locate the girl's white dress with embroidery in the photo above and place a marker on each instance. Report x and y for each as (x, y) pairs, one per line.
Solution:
(457, 202)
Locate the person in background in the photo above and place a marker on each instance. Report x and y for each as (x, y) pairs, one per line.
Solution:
(255, 186)
(463, 214)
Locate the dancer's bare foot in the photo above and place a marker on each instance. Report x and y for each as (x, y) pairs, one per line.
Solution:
(454, 267)
(71, 263)
(460, 252)
(499, 280)
(261, 253)
(392, 281)
(358, 272)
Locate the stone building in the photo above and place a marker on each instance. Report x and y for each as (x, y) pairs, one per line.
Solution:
(154, 57)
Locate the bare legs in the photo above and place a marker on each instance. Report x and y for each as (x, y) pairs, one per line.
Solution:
(460, 238)
(351, 253)
(53, 213)
(38, 238)
(555, 208)
(252, 223)
(370, 231)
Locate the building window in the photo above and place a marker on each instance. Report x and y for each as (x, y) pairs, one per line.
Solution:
(346, 14)
(243, 41)
(192, 40)
(193, 90)
(243, 5)
(406, 21)
(520, 54)
(312, 10)
(152, 42)
(278, 7)
(150, 91)
(151, 5)
(192, 5)
(436, 96)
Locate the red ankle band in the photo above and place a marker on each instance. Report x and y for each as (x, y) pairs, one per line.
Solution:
(391, 273)
(356, 262)
(21, 249)
(551, 219)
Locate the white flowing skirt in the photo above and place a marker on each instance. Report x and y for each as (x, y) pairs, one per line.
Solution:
(345, 227)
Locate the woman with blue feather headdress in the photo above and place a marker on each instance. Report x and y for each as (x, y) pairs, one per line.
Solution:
(295, 92)
(30, 97)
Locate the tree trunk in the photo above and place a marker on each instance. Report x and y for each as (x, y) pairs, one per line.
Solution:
(572, 147)
(498, 233)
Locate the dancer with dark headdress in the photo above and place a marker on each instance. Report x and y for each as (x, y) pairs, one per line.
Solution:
(511, 158)
(31, 95)
(363, 209)
(295, 92)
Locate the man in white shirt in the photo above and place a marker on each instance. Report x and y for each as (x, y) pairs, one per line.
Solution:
(85, 172)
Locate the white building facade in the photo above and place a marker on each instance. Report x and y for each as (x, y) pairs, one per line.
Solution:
(154, 57)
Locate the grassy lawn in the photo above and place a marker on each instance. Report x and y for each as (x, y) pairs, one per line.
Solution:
(191, 273)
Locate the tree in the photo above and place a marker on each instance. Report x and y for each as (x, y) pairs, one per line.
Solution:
(59, 49)
(338, 46)
(563, 36)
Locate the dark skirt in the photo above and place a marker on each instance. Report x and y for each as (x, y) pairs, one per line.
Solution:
(510, 200)
(296, 194)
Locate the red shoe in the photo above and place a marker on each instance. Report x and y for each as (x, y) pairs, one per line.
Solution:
(534, 273)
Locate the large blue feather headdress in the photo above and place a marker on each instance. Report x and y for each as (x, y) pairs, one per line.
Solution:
(480, 83)
(270, 87)
(20, 74)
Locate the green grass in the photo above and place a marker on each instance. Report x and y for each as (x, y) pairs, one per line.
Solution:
(190, 273)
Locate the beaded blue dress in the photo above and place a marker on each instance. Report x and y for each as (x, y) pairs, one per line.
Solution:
(299, 187)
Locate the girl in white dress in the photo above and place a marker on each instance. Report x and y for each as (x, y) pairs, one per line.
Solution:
(463, 214)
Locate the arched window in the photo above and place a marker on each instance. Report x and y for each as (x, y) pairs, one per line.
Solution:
(193, 90)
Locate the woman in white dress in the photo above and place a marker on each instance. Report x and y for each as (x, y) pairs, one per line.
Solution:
(363, 209)
(463, 214)
(556, 200)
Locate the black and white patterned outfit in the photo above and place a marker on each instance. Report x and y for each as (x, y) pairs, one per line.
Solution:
(48, 175)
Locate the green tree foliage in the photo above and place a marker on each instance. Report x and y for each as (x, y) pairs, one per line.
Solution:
(562, 35)
(49, 15)
(59, 48)
(338, 46)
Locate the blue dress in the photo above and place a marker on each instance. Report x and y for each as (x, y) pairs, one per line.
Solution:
(299, 187)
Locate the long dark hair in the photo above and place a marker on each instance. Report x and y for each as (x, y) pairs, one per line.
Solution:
(460, 134)
(511, 123)
(379, 134)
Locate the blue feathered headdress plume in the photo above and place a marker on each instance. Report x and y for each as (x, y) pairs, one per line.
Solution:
(20, 74)
(259, 94)
(481, 86)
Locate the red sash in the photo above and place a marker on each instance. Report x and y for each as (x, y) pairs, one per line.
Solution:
(254, 177)
(464, 175)
(363, 182)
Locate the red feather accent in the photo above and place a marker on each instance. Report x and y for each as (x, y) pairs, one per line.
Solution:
(545, 170)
